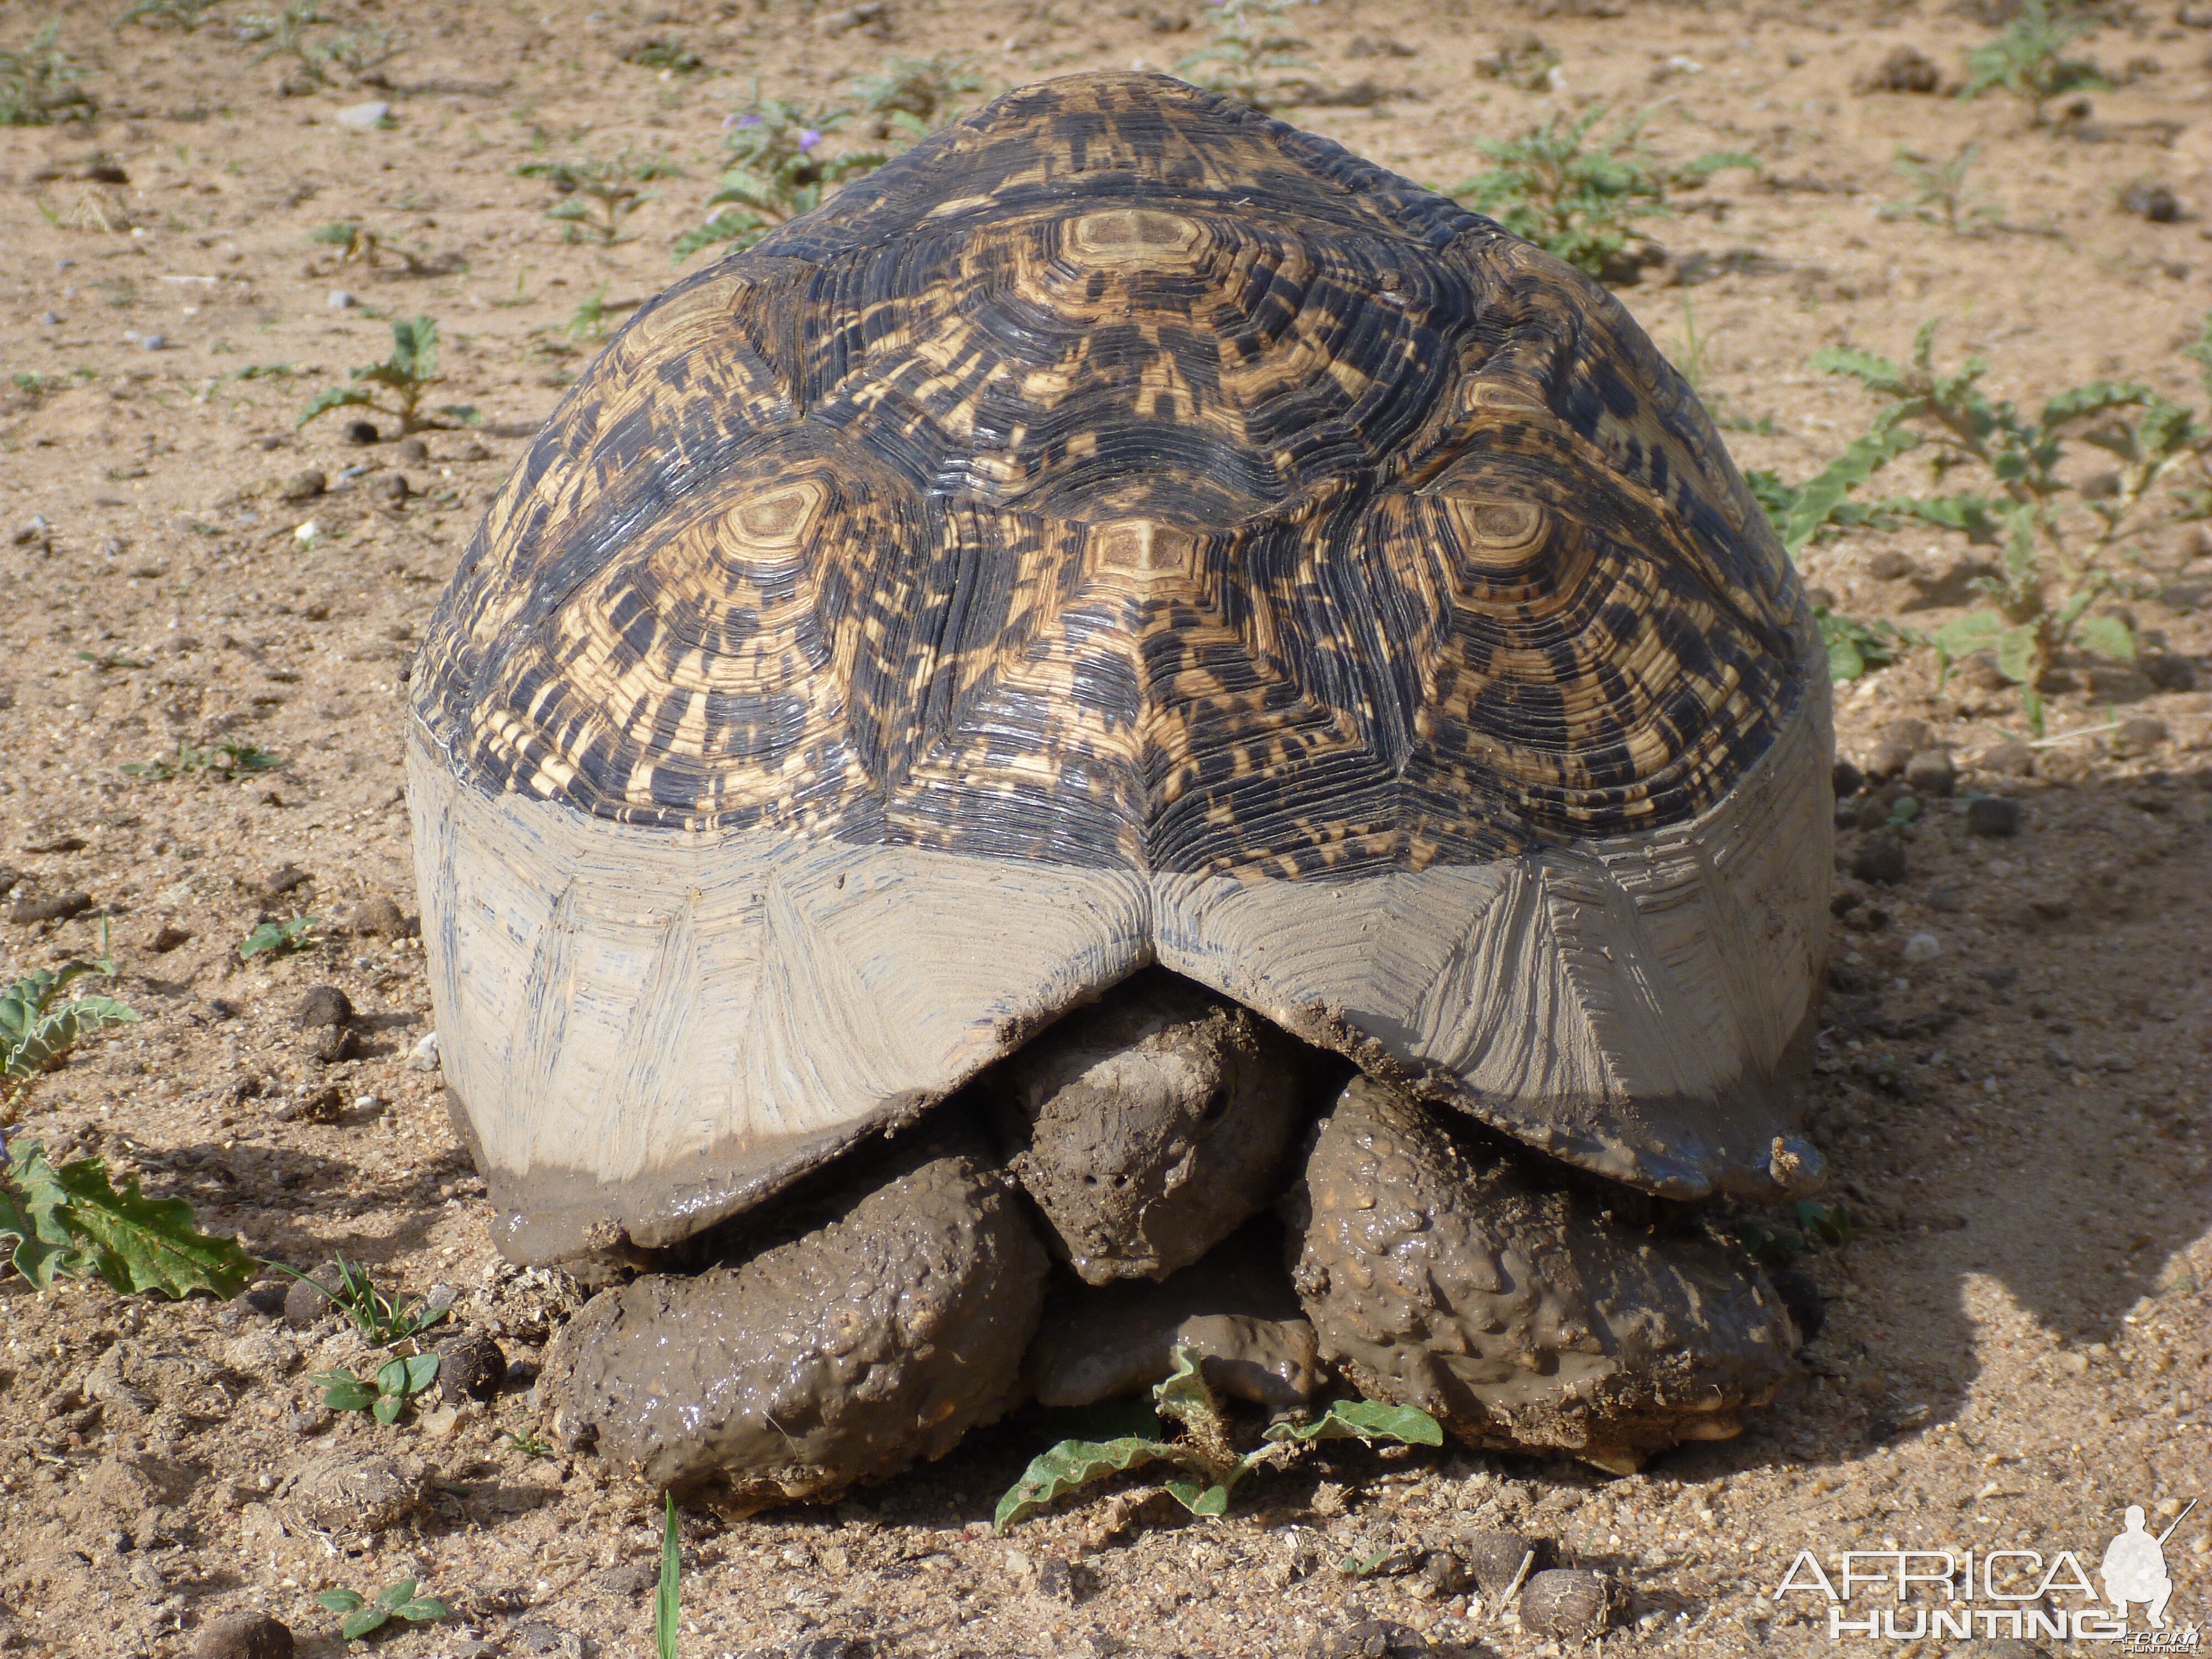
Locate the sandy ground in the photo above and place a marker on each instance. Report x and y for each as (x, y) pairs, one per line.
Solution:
(2017, 1340)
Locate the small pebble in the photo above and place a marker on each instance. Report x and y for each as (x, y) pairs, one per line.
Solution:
(423, 1056)
(152, 343)
(1993, 815)
(2156, 203)
(360, 432)
(243, 1636)
(49, 319)
(377, 916)
(305, 1305)
(1569, 1603)
(266, 1299)
(364, 117)
(167, 938)
(412, 452)
(303, 485)
(57, 907)
(339, 299)
(1880, 858)
(2009, 760)
(1922, 947)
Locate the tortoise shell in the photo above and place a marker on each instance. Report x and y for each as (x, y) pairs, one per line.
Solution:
(1122, 529)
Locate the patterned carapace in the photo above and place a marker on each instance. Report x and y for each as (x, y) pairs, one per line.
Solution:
(1122, 477)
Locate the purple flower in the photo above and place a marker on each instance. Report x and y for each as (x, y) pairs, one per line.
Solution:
(808, 137)
(729, 121)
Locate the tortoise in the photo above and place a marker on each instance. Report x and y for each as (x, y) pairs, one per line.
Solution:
(1131, 685)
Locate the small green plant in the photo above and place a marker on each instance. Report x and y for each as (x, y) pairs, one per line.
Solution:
(2059, 539)
(1942, 193)
(588, 321)
(397, 1381)
(357, 242)
(1820, 1226)
(375, 1315)
(1689, 357)
(1582, 198)
(401, 1600)
(1253, 52)
(2029, 60)
(107, 660)
(69, 1219)
(324, 46)
(38, 1027)
(38, 84)
(666, 1601)
(184, 15)
(396, 386)
(1522, 61)
(911, 96)
(599, 194)
(666, 51)
(1211, 1466)
(526, 1442)
(778, 169)
(279, 938)
(226, 757)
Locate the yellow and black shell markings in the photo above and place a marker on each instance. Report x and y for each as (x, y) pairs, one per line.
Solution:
(1123, 479)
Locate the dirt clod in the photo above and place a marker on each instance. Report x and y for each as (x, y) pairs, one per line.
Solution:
(320, 1005)
(303, 486)
(55, 907)
(1569, 1603)
(243, 1636)
(1993, 815)
(471, 1366)
(359, 1492)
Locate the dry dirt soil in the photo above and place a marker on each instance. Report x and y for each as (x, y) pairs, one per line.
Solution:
(2016, 1343)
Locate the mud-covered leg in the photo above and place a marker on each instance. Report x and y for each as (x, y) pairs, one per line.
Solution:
(871, 1341)
(1511, 1303)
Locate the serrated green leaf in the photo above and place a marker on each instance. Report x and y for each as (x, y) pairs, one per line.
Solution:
(330, 398)
(2092, 399)
(1874, 374)
(667, 1607)
(1073, 1464)
(2017, 656)
(2108, 636)
(138, 1243)
(1365, 1420)
(1199, 1497)
(43, 1246)
(359, 1623)
(1817, 499)
(338, 1600)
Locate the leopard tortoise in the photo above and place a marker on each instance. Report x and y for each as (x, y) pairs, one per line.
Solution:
(1134, 692)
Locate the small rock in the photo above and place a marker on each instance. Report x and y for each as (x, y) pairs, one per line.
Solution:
(362, 1493)
(391, 489)
(1930, 773)
(57, 907)
(362, 432)
(1922, 947)
(339, 299)
(1849, 780)
(2156, 203)
(167, 938)
(322, 1005)
(1373, 1639)
(325, 1105)
(2140, 734)
(266, 1299)
(1800, 1297)
(327, 1046)
(152, 343)
(65, 842)
(364, 117)
(1905, 70)
(1569, 1603)
(377, 917)
(2170, 673)
(412, 452)
(535, 1636)
(423, 1056)
(471, 1366)
(49, 319)
(305, 1305)
(631, 1578)
(243, 1636)
(1444, 1573)
(303, 486)
(264, 1353)
(309, 1420)
(1993, 815)
(1879, 858)
(1495, 1557)
(2014, 759)
(285, 877)
(1888, 565)
(471, 451)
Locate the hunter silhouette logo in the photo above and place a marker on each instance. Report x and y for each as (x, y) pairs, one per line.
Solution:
(2135, 1567)
(1991, 1593)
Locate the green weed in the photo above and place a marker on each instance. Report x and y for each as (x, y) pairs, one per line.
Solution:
(1580, 197)
(357, 242)
(324, 47)
(597, 195)
(2059, 539)
(227, 758)
(666, 1601)
(1253, 52)
(38, 84)
(185, 15)
(402, 1601)
(911, 96)
(526, 1442)
(384, 1396)
(778, 168)
(396, 386)
(69, 1219)
(2029, 60)
(279, 938)
(107, 660)
(377, 1316)
(37, 1028)
(666, 51)
(1820, 1226)
(1203, 1452)
(1941, 193)
(1524, 61)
